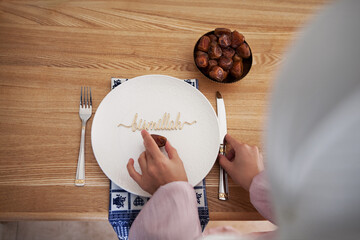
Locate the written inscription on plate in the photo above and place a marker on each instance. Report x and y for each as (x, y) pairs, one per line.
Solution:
(164, 123)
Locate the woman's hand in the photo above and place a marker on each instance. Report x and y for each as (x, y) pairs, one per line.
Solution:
(242, 162)
(156, 168)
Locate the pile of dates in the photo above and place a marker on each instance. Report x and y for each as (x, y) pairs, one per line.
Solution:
(221, 53)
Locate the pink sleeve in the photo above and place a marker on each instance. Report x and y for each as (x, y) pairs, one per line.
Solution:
(171, 213)
(259, 196)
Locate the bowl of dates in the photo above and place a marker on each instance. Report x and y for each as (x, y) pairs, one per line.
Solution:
(223, 55)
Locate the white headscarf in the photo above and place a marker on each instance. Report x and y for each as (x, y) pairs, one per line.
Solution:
(313, 139)
(313, 132)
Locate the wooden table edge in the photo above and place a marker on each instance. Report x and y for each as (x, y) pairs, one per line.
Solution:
(45, 216)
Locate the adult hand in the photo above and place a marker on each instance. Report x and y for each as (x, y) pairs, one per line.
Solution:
(156, 168)
(242, 162)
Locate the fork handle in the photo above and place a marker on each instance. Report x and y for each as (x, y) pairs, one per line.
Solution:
(80, 172)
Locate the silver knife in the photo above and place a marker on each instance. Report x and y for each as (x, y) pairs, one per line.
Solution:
(223, 183)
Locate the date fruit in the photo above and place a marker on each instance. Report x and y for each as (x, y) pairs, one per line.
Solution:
(225, 63)
(225, 74)
(204, 43)
(202, 60)
(236, 58)
(215, 51)
(237, 69)
(199, 53)
(236, 39)
(212, 63)
(160, 140)
(217, 73)
(228, 52)
(213, 38)
(221, 31)
(243, 50)
(224, 41)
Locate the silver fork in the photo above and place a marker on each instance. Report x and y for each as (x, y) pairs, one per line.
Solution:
(84, 113)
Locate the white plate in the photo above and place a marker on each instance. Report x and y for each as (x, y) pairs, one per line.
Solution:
(151, 96)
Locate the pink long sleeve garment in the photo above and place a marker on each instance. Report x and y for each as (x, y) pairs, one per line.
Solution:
(259, 196)
(171, 213)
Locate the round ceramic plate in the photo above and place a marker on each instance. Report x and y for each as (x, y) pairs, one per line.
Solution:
(178, 111)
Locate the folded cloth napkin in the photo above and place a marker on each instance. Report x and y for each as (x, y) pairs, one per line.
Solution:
(125, 206)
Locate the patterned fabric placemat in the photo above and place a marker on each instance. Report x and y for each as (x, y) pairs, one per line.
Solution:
(125, 206)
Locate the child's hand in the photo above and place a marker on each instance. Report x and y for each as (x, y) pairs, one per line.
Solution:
(242, 162)
(156, 168)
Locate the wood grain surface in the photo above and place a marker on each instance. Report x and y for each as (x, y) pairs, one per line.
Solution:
(48, 49)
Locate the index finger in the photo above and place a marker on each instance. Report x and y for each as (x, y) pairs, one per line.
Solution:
(230, 140)
(150, 145)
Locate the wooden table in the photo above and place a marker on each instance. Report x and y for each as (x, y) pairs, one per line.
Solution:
(48, 49)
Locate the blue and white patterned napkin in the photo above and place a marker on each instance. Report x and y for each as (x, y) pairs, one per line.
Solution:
(125, 206)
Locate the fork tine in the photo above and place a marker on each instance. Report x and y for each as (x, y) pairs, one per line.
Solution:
(84, 102)
(90, 98)
(87, 97)
(81, 97)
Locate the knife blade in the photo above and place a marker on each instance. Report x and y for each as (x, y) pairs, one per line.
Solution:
(223, 181)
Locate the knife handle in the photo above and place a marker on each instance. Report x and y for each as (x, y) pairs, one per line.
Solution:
(223, 182)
